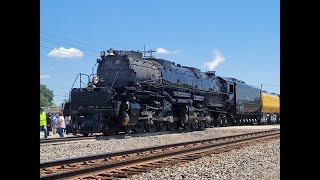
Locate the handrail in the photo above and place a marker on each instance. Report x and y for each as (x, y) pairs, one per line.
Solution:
(94, 67)
(80, 79)
(80, 74)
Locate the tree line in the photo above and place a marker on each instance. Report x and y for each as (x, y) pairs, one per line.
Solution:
(46, 96)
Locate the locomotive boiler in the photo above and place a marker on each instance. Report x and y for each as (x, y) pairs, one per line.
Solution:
(134, 93)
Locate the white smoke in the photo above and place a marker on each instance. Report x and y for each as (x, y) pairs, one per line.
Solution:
(66, 53)
(217, 59)
(164, 51)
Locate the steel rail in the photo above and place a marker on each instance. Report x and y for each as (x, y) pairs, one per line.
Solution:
(118, 136)
(161, 155)
(77, 138)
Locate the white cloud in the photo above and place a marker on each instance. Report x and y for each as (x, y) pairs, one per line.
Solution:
(44, 76)
(217, 59)
(66, 53)
(164, 51)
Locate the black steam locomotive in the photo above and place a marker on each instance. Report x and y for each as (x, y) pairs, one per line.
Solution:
(134, 93)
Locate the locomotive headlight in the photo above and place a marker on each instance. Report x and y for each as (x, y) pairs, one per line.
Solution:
(95, 79)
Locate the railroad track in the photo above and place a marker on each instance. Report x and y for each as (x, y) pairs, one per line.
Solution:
(64, 139)
(125, 163)
(119, 136)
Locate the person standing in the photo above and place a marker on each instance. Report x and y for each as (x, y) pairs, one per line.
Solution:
(53, 122)
(43, 122)
(60, 125)
(49, 123)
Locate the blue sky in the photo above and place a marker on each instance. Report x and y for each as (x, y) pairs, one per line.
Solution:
(242, 37)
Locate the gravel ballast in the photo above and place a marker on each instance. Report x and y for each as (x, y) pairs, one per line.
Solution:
(50, 152)
(259, 161)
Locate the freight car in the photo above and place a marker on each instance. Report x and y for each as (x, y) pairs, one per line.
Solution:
(270, 104)
(134, 93)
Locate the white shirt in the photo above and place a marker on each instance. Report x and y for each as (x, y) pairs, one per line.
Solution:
(60, 122)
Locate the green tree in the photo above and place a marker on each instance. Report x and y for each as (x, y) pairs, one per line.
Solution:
(46, 96)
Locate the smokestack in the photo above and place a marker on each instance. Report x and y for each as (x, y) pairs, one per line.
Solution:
(211, 73)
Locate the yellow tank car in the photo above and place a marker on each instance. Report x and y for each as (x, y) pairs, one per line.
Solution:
(270, 103)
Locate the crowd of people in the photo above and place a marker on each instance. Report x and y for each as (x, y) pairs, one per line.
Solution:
(52, 122)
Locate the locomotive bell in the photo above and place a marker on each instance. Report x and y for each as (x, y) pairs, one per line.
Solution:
(110, 52)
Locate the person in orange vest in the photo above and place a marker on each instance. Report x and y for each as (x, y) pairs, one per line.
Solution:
(43, 122)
